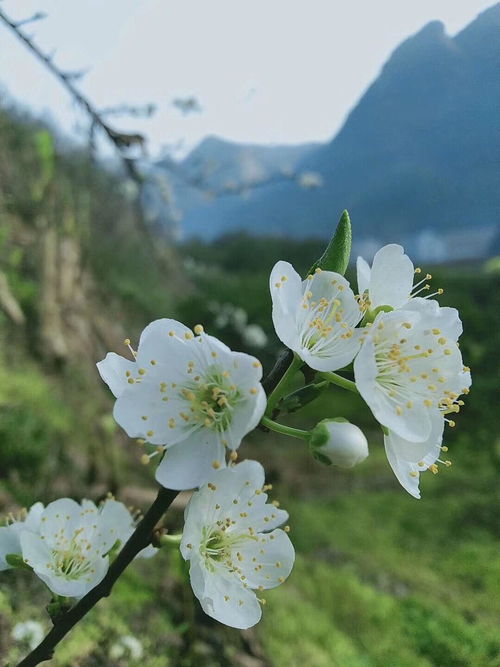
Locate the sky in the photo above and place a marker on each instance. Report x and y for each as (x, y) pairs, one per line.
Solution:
(263, 71)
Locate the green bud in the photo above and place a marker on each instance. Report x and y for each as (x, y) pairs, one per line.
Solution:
(338, 251)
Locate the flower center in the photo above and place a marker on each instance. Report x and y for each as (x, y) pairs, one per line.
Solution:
(211, 399)
(71, 563)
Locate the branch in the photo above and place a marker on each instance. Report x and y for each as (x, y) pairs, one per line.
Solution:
(140, 539)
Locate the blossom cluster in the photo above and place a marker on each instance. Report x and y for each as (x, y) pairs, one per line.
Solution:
(404, 349)
(68, 545)
(190, 401)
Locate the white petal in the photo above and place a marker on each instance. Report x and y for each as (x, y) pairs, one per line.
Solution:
(391, 279)
(340, 356)
(405, 457)
(113, 369)
(32, 521)
(363, 274)
(9, 544)
(286, 300)
(145, 399)
(61, 518)
(116, 523)
(156, 341)
(225, 598)
(188, 464)
(268, 561)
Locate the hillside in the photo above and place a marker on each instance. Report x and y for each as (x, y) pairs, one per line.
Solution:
(418, 153)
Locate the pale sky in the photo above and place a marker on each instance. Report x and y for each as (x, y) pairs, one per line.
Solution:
(264, 71)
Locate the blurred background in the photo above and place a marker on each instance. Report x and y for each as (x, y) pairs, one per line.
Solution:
(156, 159)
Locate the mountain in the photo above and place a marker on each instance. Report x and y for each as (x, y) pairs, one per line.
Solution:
(218, 168)
(417, 160)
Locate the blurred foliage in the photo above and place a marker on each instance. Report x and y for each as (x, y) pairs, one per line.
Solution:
(381, 579)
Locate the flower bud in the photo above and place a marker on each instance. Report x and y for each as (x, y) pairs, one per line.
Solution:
(338, 442)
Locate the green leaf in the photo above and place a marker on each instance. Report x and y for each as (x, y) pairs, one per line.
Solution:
(338, 251)
(16, 561)
(301, 397)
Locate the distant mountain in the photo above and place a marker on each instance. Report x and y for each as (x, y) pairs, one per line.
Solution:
(417, 160)
(220, 168)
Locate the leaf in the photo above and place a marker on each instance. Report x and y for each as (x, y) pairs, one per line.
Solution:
(301, 397)
(338, 251)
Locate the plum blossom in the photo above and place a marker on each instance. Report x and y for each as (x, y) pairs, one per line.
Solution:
(410, 368)
(233, 544)
(71, 550)
(191, 394)
(316, 317)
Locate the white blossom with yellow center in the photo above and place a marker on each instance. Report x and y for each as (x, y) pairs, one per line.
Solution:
(316, 317)
(233, 545)
(70, 552)
(410, 369)
(188, 392)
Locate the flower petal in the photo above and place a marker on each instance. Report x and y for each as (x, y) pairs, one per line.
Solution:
(189, 464)
(286, 300)
(224, 597)
(113, 369)
(409, 459)
(363, 274)
(391, 278)
(268, 561)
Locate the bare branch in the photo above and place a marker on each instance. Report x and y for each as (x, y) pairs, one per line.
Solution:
(39, 16)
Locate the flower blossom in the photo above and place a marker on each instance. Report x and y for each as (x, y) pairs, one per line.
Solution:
(10, 543)
(409, 459)
(70, 552)
(316, 317)
(191, 394)
(233, 544)
(410, 369)
(389, 281)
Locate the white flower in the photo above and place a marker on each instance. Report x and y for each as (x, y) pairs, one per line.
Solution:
(70, 552)
(31, 632)
(338, 442)
(315, 317)
(126, 646)
(231, 541)
(410, 368)
(9, 535)
(409, 459)
(191, 394)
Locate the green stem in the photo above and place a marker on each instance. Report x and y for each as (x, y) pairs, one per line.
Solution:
(340, 381)
(286, 430)
(283, 386)
(170, 540)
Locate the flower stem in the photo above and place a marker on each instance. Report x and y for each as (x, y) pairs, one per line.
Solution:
(283, 386)
(170, 540)
(286, 430)
(340, 381)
